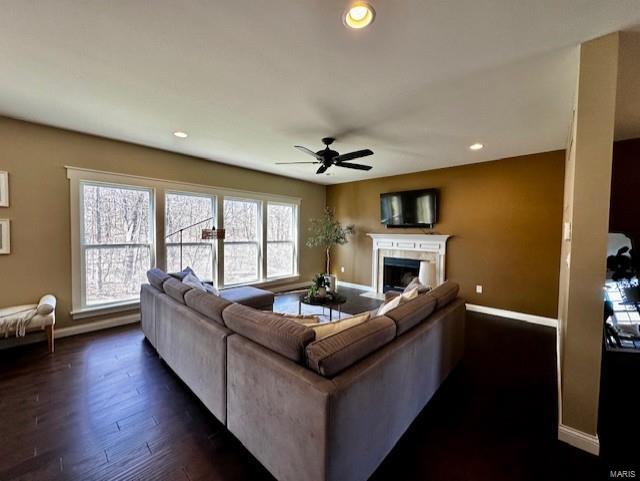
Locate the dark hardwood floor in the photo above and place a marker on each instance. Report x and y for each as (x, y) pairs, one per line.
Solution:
(105, 407)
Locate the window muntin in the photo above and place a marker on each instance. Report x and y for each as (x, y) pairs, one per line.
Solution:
(116, 242)
(183, 209)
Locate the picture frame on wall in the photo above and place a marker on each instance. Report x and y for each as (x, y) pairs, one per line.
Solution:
(4, 188)
(5, 236)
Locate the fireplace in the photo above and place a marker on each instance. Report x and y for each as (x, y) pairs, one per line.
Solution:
(398, 273)
(394, 255)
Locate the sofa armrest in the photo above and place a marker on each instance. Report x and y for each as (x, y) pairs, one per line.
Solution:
(278, 410)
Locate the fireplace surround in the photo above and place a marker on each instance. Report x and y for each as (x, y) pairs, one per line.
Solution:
(408, 247)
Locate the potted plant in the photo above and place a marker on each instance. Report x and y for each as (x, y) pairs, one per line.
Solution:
(327, 232)
(319, 286)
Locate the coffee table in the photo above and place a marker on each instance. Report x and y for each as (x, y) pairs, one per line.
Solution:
(332, 300)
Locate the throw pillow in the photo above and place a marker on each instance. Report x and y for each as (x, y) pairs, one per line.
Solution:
(183, 273)
(192, 281)
(415, 282)
(327, 329)
(209, 288)
(387, 306)
(305, 319)
(411, 294)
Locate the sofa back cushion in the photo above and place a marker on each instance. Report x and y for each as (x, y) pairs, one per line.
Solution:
(411, 313)
(330, 355)
(157, 277)
(445, 293)
(284, 336)
(175, 289)
(207, 304)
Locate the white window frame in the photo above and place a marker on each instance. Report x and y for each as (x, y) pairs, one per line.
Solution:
(295, 241)
(83, 246)
(160, 187)
(259, 242)
(214, 201)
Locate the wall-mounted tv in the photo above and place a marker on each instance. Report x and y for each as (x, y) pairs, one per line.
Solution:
(411, 208)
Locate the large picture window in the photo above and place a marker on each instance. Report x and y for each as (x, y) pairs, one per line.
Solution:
(281, 239)
(181, 211)
(243, 240)
(116, 242)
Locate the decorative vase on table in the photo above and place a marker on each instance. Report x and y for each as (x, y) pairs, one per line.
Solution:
(322, 292)
(331, 282)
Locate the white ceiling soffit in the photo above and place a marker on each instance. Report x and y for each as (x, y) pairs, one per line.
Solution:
(248, 80)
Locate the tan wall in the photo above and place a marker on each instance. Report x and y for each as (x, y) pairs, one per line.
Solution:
(35, 156)
(586, 208)
(505, 217)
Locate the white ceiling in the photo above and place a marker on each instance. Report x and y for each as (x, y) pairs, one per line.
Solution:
(250, 79)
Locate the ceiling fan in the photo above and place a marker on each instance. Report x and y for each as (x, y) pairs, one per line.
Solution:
(328, 157)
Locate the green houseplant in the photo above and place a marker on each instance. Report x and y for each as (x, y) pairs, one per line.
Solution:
(327, 232)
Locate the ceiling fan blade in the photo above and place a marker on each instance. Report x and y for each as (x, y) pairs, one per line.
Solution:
(353, 155)
(322, 169)
(308, 151)
(354, 166)
(288, 163)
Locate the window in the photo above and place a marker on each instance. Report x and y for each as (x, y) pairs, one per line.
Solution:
(181, 211)
(116, 242)
(281, 239)
(242, 241)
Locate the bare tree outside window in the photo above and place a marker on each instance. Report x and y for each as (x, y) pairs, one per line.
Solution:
(117, 237)
(242, 241)
(281, 235)
(183, 210)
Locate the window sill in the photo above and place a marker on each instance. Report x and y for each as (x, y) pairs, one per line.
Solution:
(104, 310)
(265, 282)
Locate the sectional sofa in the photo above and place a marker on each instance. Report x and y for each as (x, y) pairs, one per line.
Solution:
(309, 410)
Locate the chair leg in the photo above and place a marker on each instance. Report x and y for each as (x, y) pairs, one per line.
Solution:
(50, 337)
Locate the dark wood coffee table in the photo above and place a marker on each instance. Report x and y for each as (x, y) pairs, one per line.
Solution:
(332, 300)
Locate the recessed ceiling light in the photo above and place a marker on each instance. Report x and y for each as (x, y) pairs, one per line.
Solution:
(359, 15)
(476, 146)
(181, 135)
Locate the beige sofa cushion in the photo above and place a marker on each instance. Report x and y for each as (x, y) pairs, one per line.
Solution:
(207, 304)
(157, 277)
(284, 336)
(326, 329)
(445, 293)
(175, 289)
(411, 313)
(332, 354)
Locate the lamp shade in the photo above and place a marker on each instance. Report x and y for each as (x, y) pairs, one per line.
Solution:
(427, 273)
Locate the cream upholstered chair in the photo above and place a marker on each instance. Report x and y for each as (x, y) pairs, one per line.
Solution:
(19, 320)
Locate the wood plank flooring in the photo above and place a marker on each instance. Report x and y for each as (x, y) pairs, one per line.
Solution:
(105, 407)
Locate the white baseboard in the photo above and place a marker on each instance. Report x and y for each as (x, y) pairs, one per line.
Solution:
(520, 316)
(97, 326)
(586, 442)
(362, 287)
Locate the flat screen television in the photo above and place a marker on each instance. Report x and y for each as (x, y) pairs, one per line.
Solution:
(411, 208)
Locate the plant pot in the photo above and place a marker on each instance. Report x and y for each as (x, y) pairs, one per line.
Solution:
(322, 292)
(331, 282)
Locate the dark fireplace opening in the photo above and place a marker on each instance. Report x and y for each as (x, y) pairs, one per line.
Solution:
(398, 273)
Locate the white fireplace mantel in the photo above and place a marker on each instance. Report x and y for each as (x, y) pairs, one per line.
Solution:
(429, 243)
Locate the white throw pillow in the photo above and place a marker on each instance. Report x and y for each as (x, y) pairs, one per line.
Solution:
(192, 281)
(410, 294)
(211, 289)
(392, 304)
(327, 329)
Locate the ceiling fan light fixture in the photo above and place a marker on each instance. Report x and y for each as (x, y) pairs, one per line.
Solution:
(359, 15)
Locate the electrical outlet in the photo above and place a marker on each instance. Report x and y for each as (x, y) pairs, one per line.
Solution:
(342, 269)
(478, 289)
